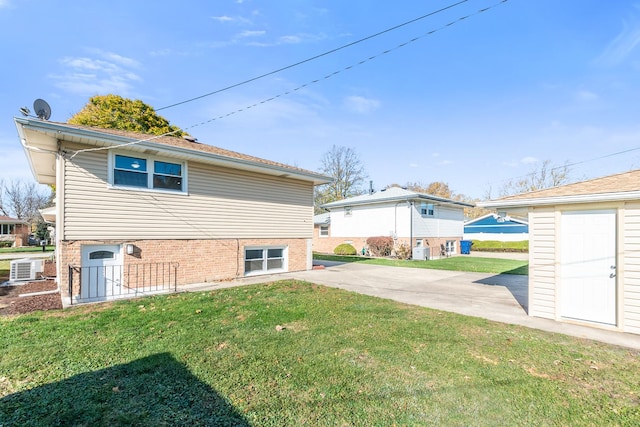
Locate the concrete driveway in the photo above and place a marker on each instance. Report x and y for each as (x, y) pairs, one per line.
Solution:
(501, 297)
(497, 297)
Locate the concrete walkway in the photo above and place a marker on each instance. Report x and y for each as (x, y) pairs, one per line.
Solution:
(501, 298)
(20, 255)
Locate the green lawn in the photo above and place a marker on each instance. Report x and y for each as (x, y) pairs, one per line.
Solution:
(456, 263)
(291, 353)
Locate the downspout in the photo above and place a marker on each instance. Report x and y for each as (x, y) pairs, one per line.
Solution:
(411, 224)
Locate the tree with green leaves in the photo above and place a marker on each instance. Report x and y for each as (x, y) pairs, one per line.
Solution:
(344, 166)
(116, 112)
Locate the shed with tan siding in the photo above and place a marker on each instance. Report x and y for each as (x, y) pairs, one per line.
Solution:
(584, 250)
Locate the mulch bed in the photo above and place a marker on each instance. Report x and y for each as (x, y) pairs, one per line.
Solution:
(12, 303)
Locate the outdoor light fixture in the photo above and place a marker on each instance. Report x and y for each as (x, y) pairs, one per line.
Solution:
(129, 249)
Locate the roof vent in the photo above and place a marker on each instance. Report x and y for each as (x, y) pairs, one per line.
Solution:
(190, 138)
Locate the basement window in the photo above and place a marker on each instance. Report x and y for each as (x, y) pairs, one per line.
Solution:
(262, 260)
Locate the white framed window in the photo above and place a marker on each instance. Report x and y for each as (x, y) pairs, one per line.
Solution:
(134, 171)
(450, 247)
(347, 211)
(418, 243)
(7, 228)
(324, 231)
(426, 209)
(266, 259)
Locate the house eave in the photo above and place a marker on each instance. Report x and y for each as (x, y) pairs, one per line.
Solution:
(564, 200)
(415, 197)
(43, 168)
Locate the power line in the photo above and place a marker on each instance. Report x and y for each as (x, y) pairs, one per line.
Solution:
(328, 76)
(329, 52)
(347, 68)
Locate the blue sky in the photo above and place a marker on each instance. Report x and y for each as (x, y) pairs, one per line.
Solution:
(473, 104)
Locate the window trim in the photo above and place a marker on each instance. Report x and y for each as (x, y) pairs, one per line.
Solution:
(9, 227)
(265, 267)
(427, 209)
(111, 163)
(451, 247)
(323, 233)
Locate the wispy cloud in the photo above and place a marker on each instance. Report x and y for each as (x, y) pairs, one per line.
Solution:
(529, 160)
(289, 39)
(360, 104)
(226, 19)
(586, 95)
(623, 45)
(249, 33)
(106, 72)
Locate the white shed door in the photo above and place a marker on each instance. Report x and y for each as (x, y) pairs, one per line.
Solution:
(587, 266)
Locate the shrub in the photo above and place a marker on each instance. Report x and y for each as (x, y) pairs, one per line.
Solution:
(380, 246)
(345, 249)
(403, 251)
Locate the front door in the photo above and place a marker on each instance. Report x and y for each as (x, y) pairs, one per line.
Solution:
(101, 271)
(588, 266)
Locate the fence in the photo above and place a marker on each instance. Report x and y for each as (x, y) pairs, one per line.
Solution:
(96, 283)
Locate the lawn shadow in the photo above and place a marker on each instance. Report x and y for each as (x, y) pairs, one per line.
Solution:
(155, 390)
(517, 284)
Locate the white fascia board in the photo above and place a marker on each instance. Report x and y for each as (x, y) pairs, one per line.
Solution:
(564, 200)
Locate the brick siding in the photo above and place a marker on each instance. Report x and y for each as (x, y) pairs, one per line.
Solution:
(198, 260)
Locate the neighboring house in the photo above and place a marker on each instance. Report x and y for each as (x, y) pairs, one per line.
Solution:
(13, 230)
(321, 225)
(415, 219)
(496, 227)
(584, 250)
(128, 203)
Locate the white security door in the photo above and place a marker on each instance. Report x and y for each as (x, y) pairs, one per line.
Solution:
(101, 271)
(588, 266)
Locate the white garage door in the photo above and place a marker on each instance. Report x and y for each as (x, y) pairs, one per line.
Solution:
(587, 266)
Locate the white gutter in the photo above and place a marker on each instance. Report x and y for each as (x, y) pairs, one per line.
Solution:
(561, 200)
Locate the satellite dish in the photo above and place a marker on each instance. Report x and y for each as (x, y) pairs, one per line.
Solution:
(42, 109)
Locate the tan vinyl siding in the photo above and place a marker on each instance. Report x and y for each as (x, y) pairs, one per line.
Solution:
(220, 203)
(631, 290)
(542, 297)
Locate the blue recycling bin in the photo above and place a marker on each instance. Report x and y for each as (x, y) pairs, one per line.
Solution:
(465, 247)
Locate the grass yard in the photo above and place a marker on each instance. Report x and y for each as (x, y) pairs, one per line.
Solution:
(291, 353)
(456, 263)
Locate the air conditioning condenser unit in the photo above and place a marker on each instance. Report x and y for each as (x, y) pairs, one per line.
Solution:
(25, 269)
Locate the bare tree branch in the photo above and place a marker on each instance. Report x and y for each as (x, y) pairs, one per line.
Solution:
(23, 200)
(347, 171)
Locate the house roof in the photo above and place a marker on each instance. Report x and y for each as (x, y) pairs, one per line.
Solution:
(393, 194)
(322, 219)
(40, 139)
(618, 187)
(492, 218)
(9, 220)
